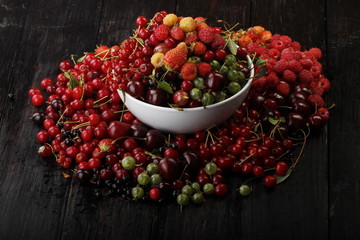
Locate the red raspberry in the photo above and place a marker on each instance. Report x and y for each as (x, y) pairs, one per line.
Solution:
(272, 79)
(295, 66)
(283, 89)
(295, 46)
(261, 51)
(285, 39)
(260, 84)
(306, 76)
(177, 33)
(161, 32)
(274, 53)
(316, 100)
(191, 37)
(324, 113)
(317, 89)
(281, 66)
(315, 70)
(288, 56)
(218, 42)
(316, 52)
(199, 48)
(306, 63)
(251, 47)
(188, 71)
(278, 44)
(206, 35)
(204, 69)
(275, 37)
(289, 76)
(324, 83)
(270, 64)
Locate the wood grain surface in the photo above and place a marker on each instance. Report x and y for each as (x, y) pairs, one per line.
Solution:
(321, 200)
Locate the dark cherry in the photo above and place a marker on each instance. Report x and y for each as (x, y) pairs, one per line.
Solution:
(295, 121)
(315, 121)
(257, 101)
(156, 97)
(38, 118)
(138, 130)
(302, 107)
(118, 129)
(215, 81)
(169, 169)
(299, 95)
(135, 89)
(154, 139)
(192, 161)
(279, 99)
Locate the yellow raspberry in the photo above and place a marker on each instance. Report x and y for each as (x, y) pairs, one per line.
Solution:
(257, 29)
(157, 59)
(187, 24)
(265, 35)
(170, 19)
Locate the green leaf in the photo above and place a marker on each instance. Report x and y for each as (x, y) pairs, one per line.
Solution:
(260, 62)
(81, 59)
(73, 82)
(275, 121)
(232, 46)
(165, 86)
(222, 34)
(262, 72)
(280, 179)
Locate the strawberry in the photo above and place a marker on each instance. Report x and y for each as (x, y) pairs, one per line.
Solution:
(199, 48)
(175, 58)
(191, 37)
(177, 33)
(206, 35)
(218, 42)
(188, 71)
(204, 69)
(161, 32)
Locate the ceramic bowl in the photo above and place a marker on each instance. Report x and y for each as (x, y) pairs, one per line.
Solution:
(189, 120)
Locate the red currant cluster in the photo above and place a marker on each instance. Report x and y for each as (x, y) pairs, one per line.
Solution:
(88, 129)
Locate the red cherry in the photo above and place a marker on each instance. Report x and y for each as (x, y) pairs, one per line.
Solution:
(270, 181)
(281, 168)
(37, 100)
(155, 194)
(221, 190)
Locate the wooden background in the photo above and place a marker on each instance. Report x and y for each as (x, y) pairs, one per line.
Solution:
(321, 200)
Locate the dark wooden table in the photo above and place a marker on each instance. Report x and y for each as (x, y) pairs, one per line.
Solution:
(321, 200)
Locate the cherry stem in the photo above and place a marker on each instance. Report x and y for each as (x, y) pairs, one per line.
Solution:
(61, 116)
(52, 150)
(301, 150)
(183, 171)
(81, 125)
(152, 155)
(99, 100)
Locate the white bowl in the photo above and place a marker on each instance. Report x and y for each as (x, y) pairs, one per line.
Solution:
(189, 120)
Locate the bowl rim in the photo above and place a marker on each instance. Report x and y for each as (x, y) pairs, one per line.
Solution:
(169, 109)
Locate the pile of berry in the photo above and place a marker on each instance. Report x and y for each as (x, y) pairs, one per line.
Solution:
(182, 62)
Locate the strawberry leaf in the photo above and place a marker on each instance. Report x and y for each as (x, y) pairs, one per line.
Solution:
(73, 82)
(81, 59)
(262, 72)
(280, 179)
(274, 121)
(232, 46)
(165, 86)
